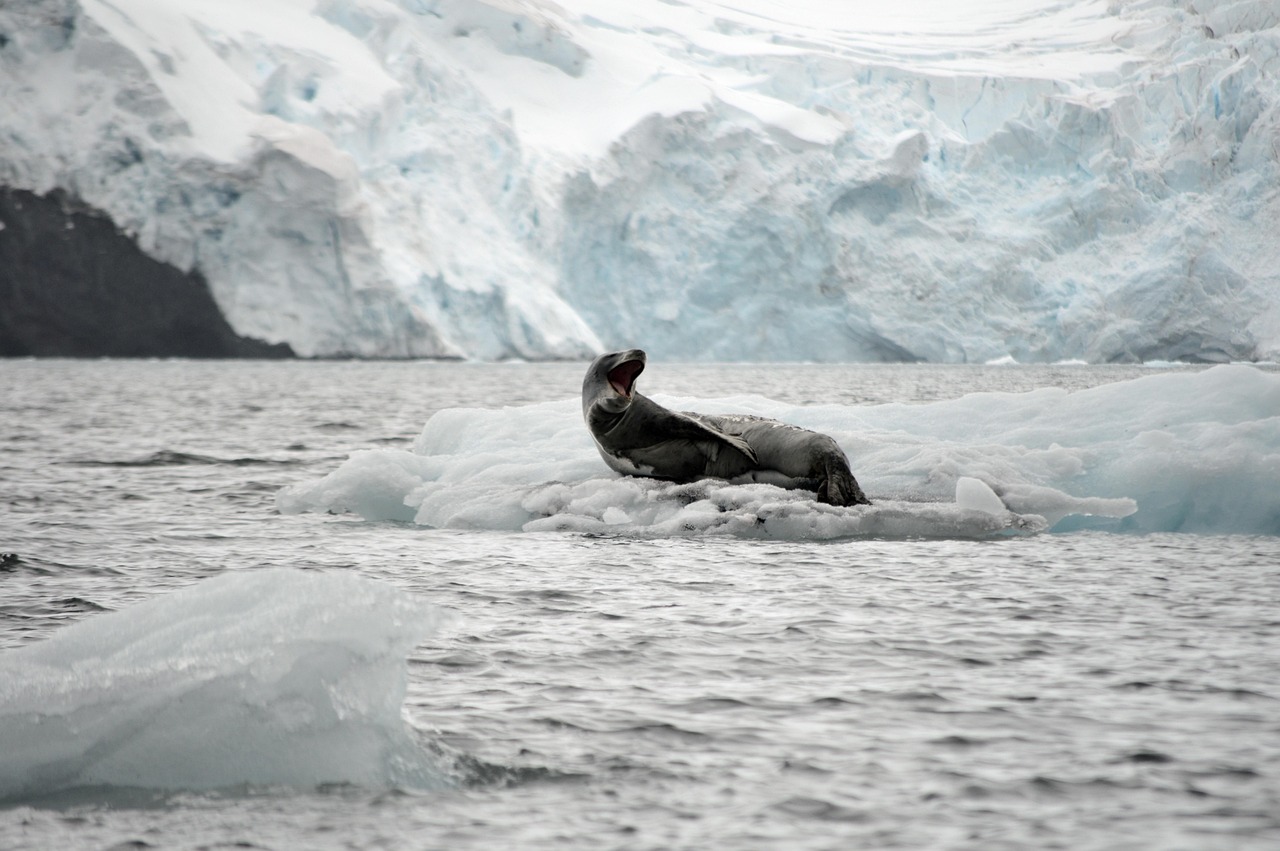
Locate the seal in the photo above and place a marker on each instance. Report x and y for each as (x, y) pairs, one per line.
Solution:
(638, 437)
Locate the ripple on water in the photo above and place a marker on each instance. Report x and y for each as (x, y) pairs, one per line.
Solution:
(1082, 690)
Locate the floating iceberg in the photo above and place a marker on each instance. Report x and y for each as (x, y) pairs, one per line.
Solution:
(1167, 452)
(253, 677)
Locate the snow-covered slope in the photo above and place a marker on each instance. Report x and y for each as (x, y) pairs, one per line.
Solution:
(727, 179)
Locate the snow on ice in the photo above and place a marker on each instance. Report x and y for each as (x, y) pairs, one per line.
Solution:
(261, 677)
(734, 180)
(1167, 452)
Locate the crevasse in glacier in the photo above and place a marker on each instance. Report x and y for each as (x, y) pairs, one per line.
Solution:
(735, 180)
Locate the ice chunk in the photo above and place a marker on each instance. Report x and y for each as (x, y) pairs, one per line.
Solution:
(1167, 452)
(269, 676)
(974, 495)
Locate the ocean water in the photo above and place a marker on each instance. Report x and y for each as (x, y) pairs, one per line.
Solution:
(1093, 687)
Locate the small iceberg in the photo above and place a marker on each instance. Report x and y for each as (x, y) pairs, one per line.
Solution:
(262, 677)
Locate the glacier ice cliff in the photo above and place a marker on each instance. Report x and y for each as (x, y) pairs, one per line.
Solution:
(738, 181)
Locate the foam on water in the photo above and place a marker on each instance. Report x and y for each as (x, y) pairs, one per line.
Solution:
(273, 676)
(1169, 452)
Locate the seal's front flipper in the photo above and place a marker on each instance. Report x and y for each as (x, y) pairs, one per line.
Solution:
(738, 444)
(712, 439)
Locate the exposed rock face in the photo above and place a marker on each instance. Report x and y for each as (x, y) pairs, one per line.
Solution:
(73, 285)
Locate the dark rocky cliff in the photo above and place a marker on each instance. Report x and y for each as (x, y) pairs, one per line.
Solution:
(73, 285)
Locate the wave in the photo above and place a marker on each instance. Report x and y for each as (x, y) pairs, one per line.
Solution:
(173, 458)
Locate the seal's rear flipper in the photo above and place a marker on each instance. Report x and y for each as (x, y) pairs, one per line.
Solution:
(839, 487)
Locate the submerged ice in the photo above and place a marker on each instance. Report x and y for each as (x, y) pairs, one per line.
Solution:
(1183, 452)
(738, 180)
(257, 677)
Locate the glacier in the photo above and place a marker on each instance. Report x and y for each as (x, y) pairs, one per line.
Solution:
(709, 179)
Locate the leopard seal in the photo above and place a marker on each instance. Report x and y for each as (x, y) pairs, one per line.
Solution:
(638, 437)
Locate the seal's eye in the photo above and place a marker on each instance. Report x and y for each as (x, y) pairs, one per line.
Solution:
(623, 376)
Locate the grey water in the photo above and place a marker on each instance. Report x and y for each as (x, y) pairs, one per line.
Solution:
(1083, 690)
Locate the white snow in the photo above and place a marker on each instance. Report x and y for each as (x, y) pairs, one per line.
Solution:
(261, 677)
(714, 179)
(1167, 452)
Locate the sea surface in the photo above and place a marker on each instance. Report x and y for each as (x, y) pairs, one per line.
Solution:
(1082, 690)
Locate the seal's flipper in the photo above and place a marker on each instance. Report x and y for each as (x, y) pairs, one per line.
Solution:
(720, 436)
(838, 486)
(738, 444)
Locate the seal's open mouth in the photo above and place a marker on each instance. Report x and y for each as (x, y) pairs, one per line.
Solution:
(623, 376)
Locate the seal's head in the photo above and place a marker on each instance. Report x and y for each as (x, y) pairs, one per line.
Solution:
(610, 382)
